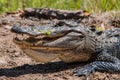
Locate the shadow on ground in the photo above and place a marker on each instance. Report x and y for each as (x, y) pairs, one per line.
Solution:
(38, 68)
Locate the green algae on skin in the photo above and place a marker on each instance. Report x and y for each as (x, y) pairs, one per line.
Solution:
(47, 32)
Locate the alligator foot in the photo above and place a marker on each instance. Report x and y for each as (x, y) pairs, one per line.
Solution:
(84, 71)
(98, 66)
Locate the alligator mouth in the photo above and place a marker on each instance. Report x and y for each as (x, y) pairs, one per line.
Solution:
(37, 42)
(35, 38)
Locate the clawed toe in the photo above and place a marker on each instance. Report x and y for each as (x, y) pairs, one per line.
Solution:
(80, 72)
(83, 71)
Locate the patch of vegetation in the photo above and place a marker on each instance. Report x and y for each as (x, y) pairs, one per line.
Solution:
(89, 5)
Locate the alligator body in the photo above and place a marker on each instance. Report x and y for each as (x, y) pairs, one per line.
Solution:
(73, 44)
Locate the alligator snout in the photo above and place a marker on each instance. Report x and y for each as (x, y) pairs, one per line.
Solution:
(33, 31)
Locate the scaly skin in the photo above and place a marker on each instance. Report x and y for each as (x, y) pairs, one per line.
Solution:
(73, 44)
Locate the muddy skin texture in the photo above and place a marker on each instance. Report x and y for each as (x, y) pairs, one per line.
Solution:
(15, 64)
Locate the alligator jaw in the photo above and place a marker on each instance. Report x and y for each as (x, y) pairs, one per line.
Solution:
(37, 43)
(32, 46)
(37, 37)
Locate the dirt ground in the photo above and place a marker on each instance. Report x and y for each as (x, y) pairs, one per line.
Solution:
(15, 65)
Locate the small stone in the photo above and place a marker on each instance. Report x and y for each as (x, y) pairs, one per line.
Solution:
(2, 61)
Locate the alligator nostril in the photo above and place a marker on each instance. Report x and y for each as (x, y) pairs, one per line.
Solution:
(16, 29)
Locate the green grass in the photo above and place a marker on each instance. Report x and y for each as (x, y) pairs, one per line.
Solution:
(89, 5)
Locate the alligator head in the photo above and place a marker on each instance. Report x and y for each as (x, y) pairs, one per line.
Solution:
(44, 44)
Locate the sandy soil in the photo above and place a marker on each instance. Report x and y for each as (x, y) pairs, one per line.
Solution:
(15, 65)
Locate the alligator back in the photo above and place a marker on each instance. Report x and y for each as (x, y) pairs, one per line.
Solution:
(110, 42)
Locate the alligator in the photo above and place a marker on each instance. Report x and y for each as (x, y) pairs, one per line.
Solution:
(76, 43)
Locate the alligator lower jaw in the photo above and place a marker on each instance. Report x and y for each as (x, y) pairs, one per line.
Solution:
(38, 52)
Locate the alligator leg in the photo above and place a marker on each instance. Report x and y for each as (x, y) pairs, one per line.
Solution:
(104, 56)
(104, 63)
